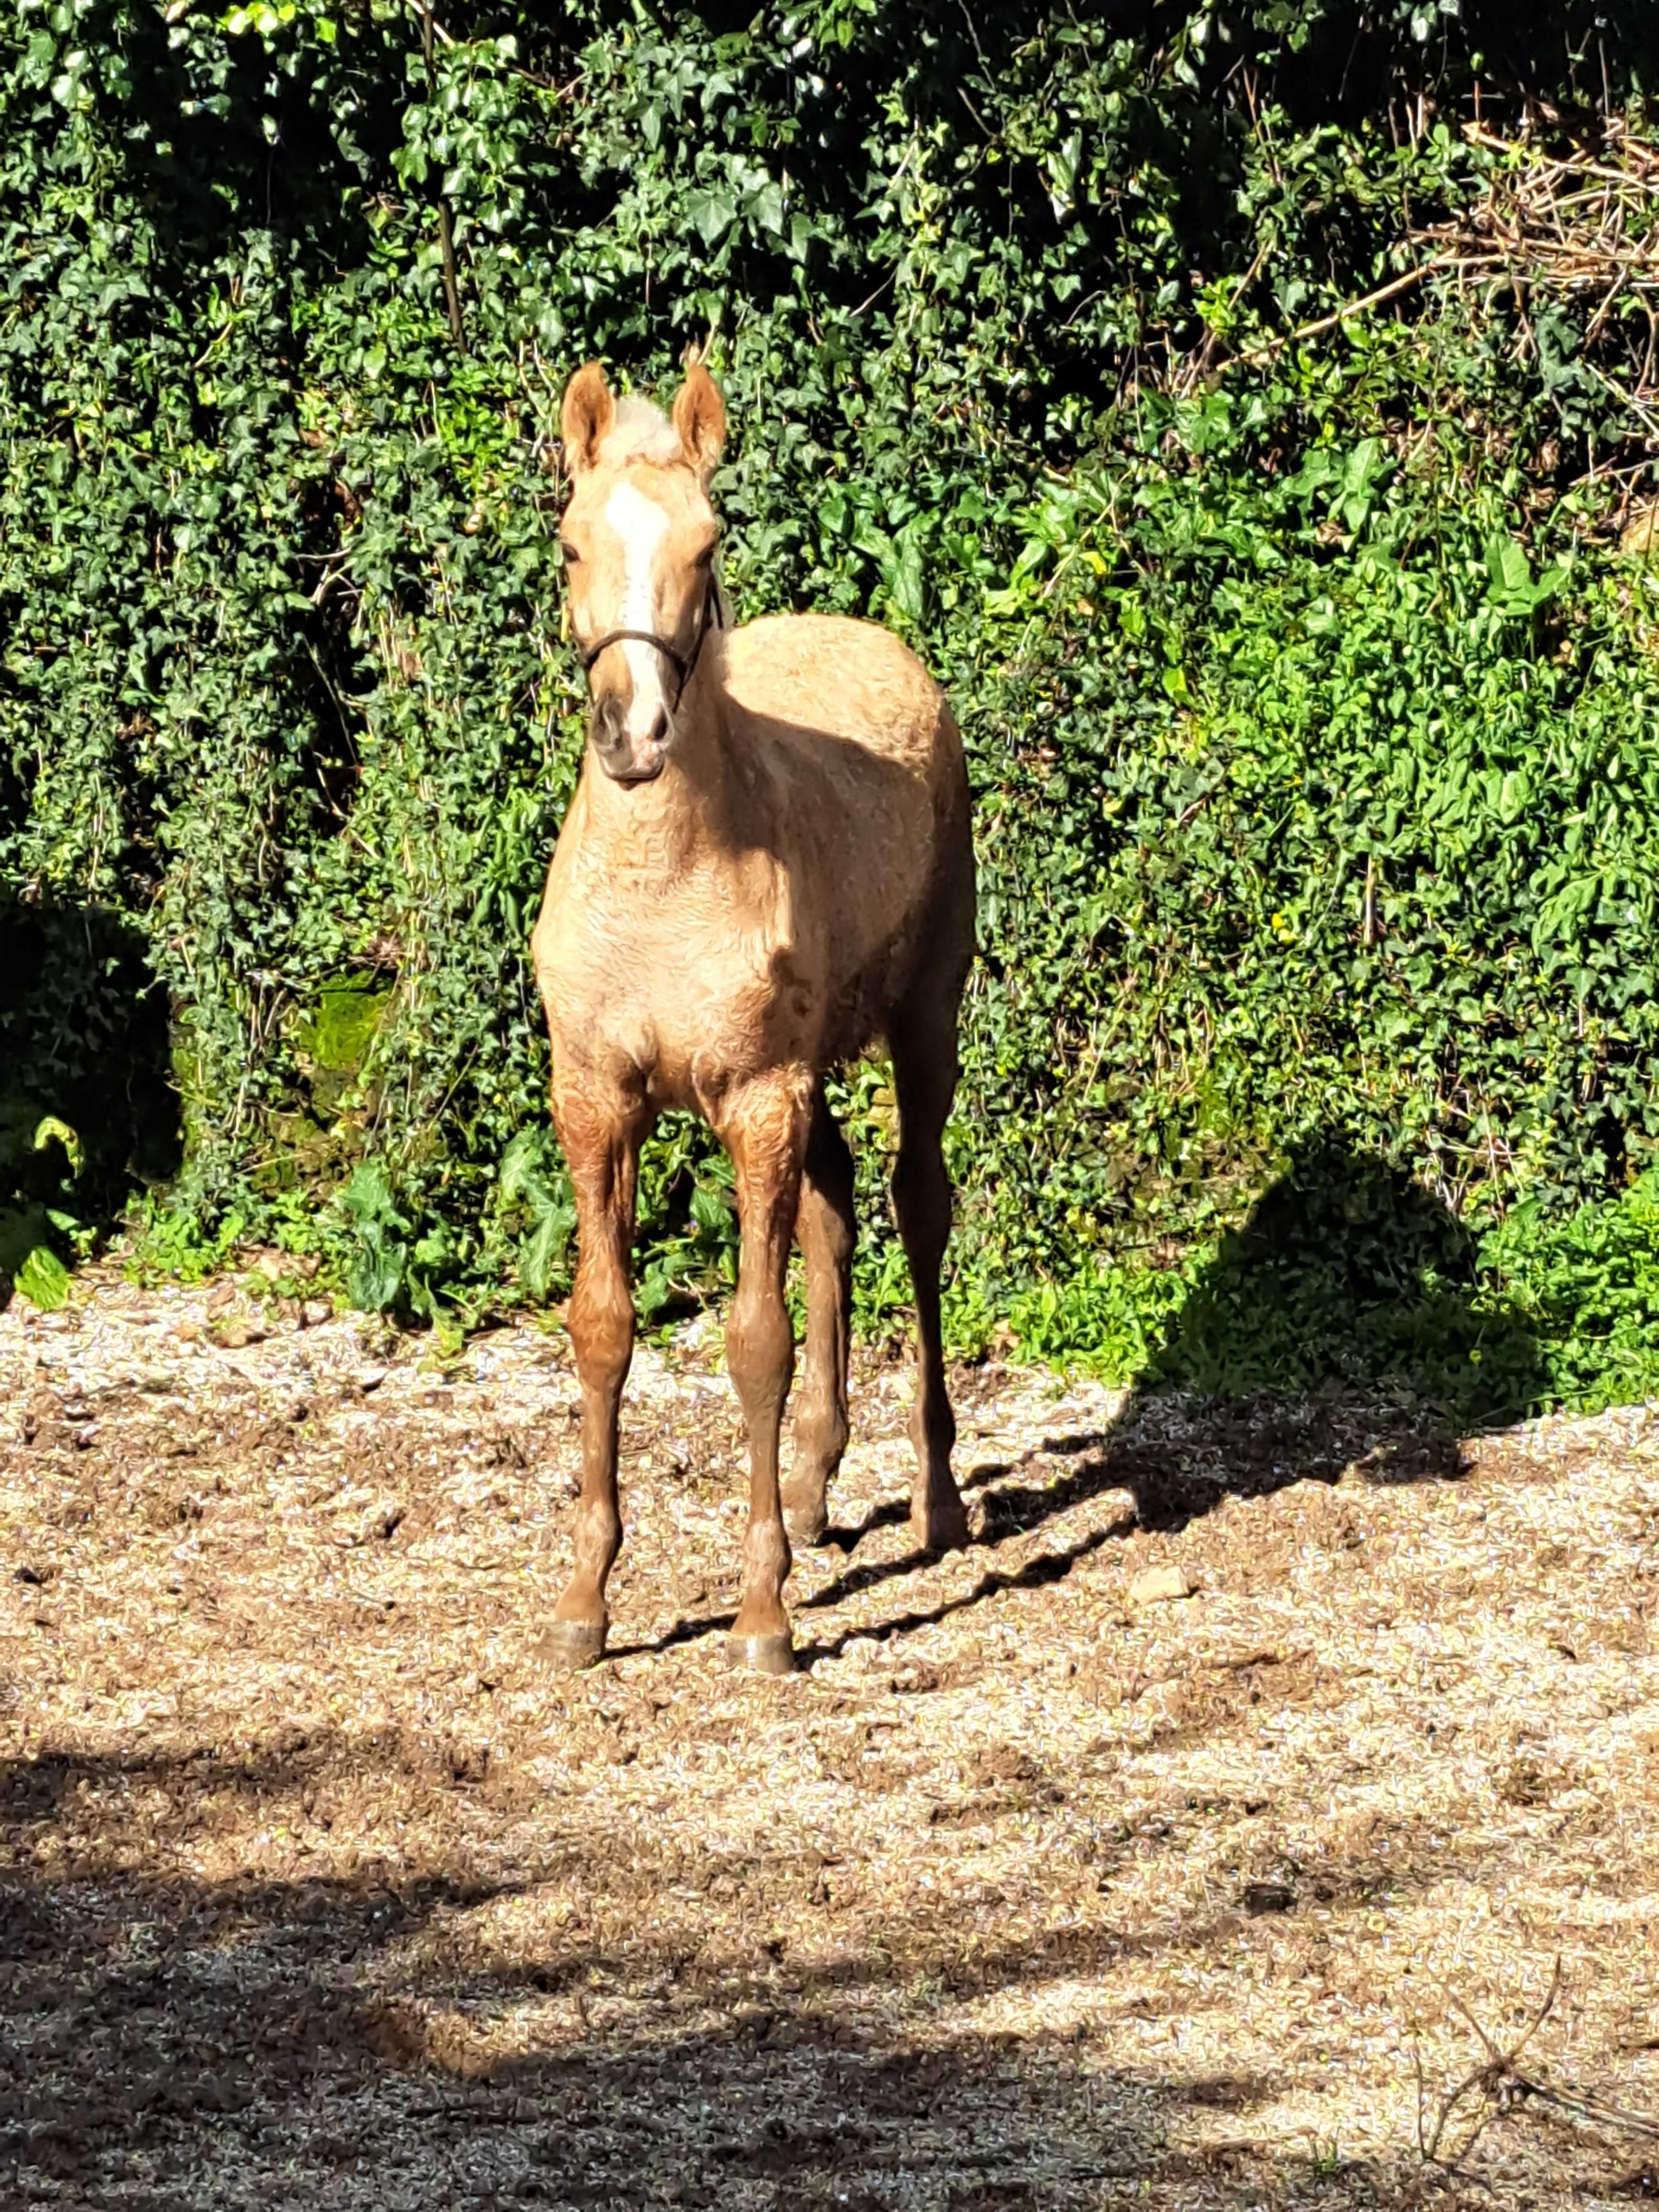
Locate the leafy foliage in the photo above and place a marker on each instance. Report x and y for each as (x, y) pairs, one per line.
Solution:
(1306, 709)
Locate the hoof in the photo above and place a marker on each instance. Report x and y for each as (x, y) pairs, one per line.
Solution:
(940, 1527)
(568, 1645)
(807, 1523)
(766, 1654)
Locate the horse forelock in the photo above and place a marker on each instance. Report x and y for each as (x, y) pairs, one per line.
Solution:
(639, 433)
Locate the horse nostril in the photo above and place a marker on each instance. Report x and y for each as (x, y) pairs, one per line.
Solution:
(658, 733)
(605, 726)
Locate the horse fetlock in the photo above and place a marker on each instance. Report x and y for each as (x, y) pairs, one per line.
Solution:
(805, 1514)
(597, 1539)
(819, 1443)
(821, 1433)
(766, 1558)
(760, 1634)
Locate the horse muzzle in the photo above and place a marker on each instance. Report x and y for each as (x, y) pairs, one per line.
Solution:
(624, 757)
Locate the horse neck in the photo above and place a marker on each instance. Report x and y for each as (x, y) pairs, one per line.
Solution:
(689, 810)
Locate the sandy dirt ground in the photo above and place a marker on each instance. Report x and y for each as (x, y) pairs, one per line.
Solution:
(1029, 1888)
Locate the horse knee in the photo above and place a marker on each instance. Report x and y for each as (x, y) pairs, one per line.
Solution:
(600, 1320)
(921, 1197)
(760, 1346)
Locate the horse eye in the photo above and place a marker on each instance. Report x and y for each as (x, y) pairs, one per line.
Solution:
(572, 557)
(705, 558)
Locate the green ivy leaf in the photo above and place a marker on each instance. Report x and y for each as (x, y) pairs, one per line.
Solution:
(712, 212)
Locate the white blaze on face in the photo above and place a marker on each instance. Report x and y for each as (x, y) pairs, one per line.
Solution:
(641, 525)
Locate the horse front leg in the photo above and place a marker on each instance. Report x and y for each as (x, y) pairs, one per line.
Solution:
(600, 1133)
(764, 1126)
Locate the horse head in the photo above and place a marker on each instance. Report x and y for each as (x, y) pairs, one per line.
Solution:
(639, 537)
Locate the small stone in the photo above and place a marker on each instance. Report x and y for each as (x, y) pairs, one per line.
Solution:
(313, 1312)
(1158, 1585)
(1261, 1896)
(236, 1334)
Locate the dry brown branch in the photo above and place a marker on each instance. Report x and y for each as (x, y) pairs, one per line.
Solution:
(1342, 314)
(1490, 2082)
(446, 222)
(1571, 226)
(1563, 225)
(1498, 2085)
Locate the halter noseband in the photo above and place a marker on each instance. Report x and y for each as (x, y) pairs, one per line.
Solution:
(682, 664)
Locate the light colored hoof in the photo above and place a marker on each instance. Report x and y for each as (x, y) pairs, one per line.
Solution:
(807, 1523)
(766, 1655)
(569, 1645)
(940, 1527)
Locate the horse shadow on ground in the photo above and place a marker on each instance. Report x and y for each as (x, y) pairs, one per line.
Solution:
(1344, 1326)
(84, 1049)
(289, 2041)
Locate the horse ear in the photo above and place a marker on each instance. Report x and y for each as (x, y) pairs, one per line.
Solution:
(585, 418)
(700, 420)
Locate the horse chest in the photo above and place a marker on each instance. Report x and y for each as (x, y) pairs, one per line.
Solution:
(691, 986)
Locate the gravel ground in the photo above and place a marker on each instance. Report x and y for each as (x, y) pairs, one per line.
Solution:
(1033, 1887)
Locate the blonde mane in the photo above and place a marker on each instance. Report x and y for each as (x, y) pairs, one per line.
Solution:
(641, 433)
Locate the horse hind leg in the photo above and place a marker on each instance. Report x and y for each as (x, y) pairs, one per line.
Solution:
(924, 1048)
(825, 1229)
(764, 1126)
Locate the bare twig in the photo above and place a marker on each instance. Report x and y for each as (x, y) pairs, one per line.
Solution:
(1491, 2079)
(1566, 226)
(1362, 306)
(1500, 2085)
(1198, 367)
(446, 224)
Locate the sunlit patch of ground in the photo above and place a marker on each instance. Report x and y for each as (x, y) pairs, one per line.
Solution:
(316, 1889)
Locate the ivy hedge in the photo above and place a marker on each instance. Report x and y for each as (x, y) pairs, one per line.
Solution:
(1308, 692)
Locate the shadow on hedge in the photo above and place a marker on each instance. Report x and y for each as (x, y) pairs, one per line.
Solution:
(84, 1042)
(1345, 1325)
(1349, 1275)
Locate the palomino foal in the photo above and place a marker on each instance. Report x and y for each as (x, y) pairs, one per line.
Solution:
(766, 866)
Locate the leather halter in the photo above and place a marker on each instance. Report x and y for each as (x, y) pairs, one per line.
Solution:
(682, 663)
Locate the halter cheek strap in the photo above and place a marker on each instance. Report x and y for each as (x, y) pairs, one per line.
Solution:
(682, 664)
